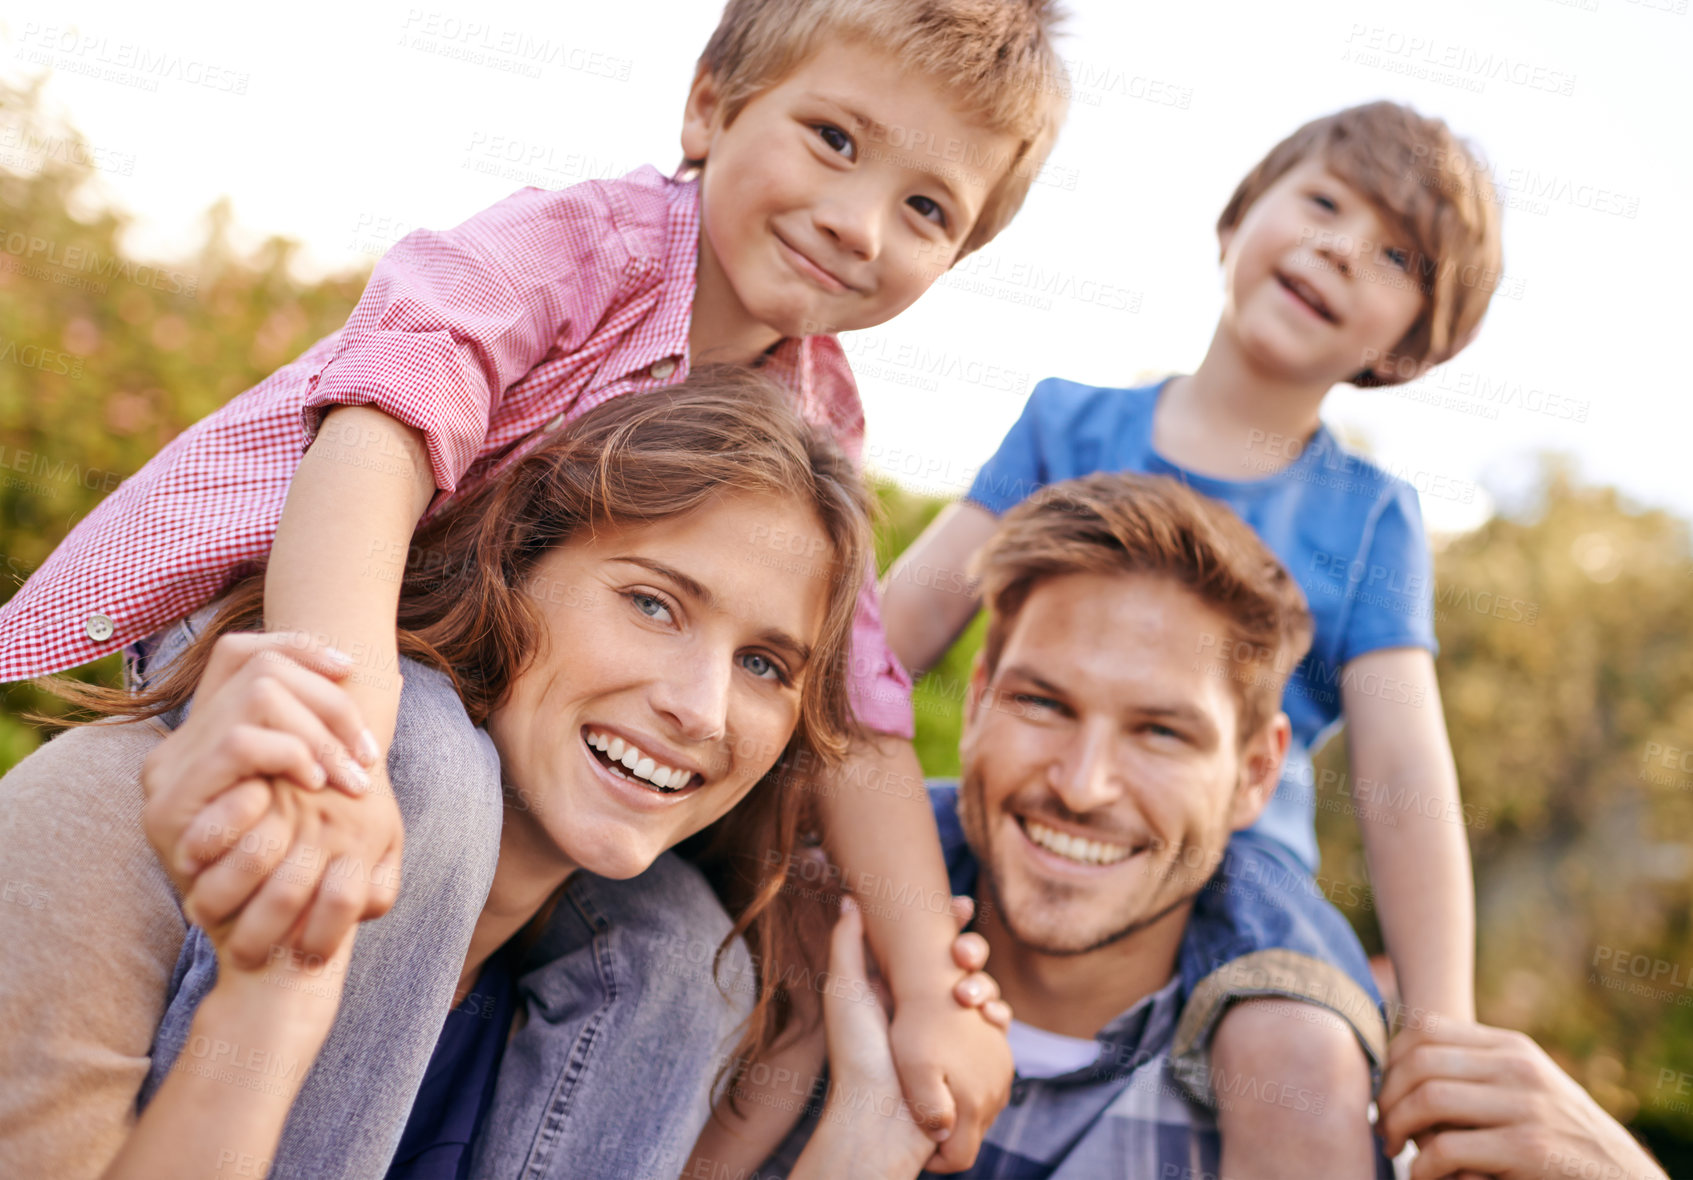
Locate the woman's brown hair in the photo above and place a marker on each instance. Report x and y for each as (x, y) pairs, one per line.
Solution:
(634, 460)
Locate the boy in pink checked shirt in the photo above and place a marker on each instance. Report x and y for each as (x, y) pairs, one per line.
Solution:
(842, 148)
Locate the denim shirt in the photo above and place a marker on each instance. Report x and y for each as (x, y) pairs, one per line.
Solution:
(616, 1041)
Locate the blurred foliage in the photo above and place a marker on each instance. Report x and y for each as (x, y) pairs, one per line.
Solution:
(1561, 726)
(104, 359)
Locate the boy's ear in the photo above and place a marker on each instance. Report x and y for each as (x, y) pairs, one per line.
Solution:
(700, 118)
(1261, 762)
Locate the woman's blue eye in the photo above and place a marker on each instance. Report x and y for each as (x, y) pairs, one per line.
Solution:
(1399, 258)
(1325, 202)
(763, 667)
(648, 605)
(927, 207)
(837, 139)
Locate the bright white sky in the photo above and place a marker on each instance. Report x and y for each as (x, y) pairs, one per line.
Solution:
(346, 124)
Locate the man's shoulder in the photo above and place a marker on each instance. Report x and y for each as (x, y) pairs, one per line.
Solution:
(955, 849)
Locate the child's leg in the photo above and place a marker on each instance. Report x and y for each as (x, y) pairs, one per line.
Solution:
(354, 1103)
(1281, 1031)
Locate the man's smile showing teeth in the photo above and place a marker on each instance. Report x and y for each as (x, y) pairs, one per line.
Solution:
(1087, 852)
(618, 753)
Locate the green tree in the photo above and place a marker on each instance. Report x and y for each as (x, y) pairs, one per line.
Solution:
(104, 359)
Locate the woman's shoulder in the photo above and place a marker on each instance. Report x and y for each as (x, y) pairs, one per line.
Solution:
(92, 931)
(436, 747)
(102, 760)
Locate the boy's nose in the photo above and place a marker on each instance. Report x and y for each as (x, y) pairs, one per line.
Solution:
(1336, 251)
(853, 222)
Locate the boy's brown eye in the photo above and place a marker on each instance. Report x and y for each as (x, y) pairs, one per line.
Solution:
(838, 140)
(927, 207)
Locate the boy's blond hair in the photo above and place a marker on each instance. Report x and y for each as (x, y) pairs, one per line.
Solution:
(995, 57)
(1428, 183)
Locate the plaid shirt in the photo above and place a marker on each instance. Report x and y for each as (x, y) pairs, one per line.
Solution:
(483, 338)
(1124, 1117)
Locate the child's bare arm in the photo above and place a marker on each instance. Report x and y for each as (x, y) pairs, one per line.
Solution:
(927, 599)
(340, 549)
(1411, 819)
(335, 571)
(880, 828)
(334, 575)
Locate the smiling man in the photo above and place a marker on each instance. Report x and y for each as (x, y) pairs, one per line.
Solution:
(1123, 722)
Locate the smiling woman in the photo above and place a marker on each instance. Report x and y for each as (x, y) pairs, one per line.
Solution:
(618, 591)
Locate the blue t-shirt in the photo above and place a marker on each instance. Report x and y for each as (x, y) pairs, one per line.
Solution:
(1349, 533)
(458, 1084)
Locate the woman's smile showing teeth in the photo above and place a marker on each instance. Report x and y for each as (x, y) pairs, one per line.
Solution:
(1074, 848)
(622, 756)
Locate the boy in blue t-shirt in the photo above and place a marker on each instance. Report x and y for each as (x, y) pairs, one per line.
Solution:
(1363, 248)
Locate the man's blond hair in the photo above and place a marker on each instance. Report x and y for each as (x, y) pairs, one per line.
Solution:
(994, 57)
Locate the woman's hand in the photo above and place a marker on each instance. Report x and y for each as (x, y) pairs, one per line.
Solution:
(237, 812)
(1489, 1100)
(866, 1130)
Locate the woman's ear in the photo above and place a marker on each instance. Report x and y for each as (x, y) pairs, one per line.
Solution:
(700, 118)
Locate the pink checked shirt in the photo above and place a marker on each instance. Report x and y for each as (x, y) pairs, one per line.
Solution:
(481, 337)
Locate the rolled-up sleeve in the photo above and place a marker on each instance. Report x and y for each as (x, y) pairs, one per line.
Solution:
(451, 319)
(1018, 469)
(880, 689)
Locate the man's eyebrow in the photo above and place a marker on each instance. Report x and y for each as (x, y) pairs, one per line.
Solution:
(1032, 680)
(798, 652)
(1186, 714)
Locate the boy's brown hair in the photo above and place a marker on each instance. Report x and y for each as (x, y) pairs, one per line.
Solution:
(995, 57)
(1428, 183)
(1127, 523)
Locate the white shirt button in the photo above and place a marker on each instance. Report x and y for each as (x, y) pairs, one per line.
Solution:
(99, 628)
(661, 369)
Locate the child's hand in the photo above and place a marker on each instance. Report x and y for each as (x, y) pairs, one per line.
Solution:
(976, 990)
(235, 795)
(955, 1064)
